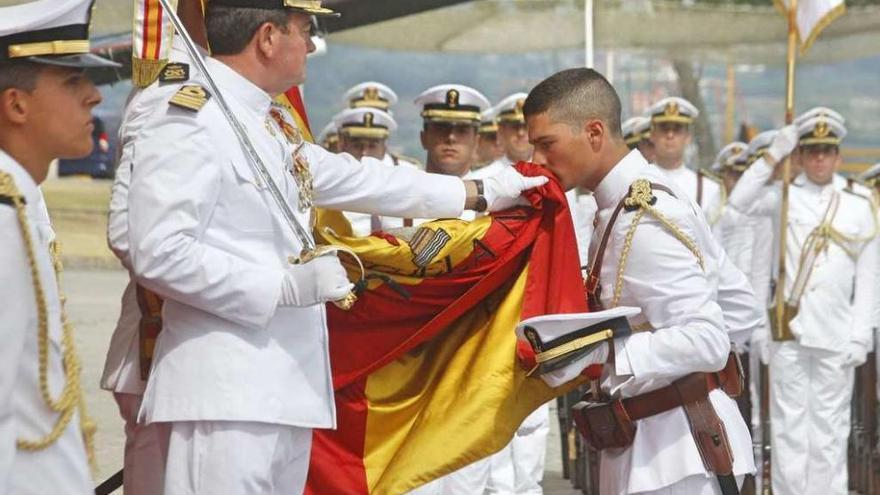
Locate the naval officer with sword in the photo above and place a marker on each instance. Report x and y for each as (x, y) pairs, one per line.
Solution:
(221, 196)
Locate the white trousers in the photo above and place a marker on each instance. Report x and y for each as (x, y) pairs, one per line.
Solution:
(471, 479)
(146, 447)
(518, 469)
(692, 485)
(236, 458)
(810, 393)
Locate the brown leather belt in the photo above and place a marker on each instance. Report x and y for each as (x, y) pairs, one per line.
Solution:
(667, 398)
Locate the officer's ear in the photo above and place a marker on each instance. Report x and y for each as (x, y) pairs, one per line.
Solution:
(423, 138)
(14, 104)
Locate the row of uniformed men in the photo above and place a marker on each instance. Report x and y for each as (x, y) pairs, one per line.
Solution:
(830, 294)
(240, 374)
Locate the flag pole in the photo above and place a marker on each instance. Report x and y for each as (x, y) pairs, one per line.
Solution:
(782, 312)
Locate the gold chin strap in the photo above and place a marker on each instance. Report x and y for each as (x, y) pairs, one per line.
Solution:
(641, 197)
(70, 401)
(62, 47)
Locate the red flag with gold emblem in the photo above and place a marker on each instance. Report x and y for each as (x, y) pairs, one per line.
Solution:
(426, 367)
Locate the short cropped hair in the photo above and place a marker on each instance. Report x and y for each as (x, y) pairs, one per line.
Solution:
(230, 29)
(19, 74)
(575, 96)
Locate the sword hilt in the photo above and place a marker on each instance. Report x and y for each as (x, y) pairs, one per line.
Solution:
(347, 302)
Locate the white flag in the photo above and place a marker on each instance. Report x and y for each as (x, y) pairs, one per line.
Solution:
(812, 17)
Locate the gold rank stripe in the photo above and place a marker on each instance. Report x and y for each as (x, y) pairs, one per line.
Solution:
(824, 140)
(364, 103)
(60, 47)
(579, 343)
(365, 132)
(451, 115)
(681, 119)
(190, 97)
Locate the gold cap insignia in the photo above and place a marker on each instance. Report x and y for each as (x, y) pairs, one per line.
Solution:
(671, 109)
(371, 93)
(452, 98)
(822, 129)
(368, 119)
(519, 106)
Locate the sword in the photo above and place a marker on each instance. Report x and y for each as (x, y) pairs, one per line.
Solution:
(310, 249)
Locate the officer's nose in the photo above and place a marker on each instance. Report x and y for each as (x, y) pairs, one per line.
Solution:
(539, 158)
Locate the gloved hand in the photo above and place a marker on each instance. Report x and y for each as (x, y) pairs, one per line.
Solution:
(563, 375)
(318, 281)
(856, 355)
(783, 143)
(761, 344)
(504, 189)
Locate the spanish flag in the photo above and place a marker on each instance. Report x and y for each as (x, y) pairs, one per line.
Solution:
(426, 367)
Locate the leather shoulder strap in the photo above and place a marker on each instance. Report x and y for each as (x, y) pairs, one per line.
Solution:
(592, 282)
(700, 189)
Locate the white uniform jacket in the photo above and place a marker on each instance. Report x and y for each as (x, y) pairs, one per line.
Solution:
(683, 303)
(491, 169)
(61, 467)
(364, 224)
(122, 364)
(710, 199)
(837, 306)
(206, 236)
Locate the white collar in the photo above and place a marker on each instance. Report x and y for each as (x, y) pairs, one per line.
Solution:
(239, 86)
(23, 180)
(616, 183)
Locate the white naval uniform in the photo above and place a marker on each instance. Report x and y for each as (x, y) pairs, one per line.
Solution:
(710, 200)
(364, 224)
(205, 235)
(491, 169)
(145, 444)
(683, 303)
(810, 389)
(62, 466)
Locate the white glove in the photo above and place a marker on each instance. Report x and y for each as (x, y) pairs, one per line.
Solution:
(571, 371)
(318, 281)
(760, 343)
(856, 355)
(504, 189)
(783, 143)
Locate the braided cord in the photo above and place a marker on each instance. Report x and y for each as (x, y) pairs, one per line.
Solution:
(641, 197)
(70, 400)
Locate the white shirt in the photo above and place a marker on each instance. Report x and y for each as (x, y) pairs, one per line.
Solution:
(683, 303)
(61, 467)
(206, 236)
(688, 181)
(122, 364)
(838, 304)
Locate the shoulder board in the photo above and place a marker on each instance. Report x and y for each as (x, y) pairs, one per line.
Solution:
(9, 193)
(851, 189)
(190, 97)
(174, 72)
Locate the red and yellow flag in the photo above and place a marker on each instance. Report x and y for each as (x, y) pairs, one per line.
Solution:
(425, 366)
